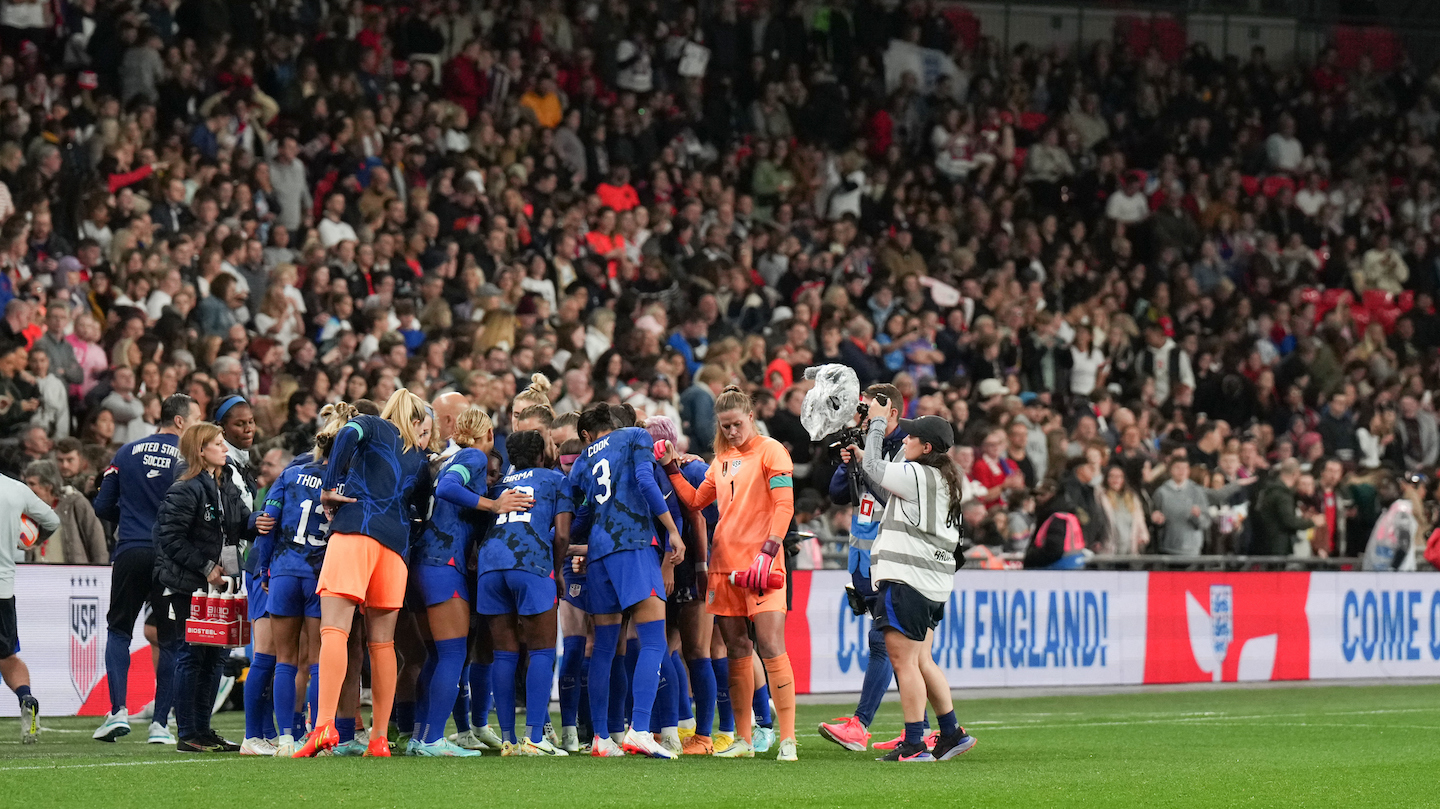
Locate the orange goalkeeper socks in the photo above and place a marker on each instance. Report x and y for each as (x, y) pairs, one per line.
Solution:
(334, 661)
(383, 673)
(782, 690)
(742, 687)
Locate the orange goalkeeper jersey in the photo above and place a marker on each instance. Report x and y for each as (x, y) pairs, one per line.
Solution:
(754, 488)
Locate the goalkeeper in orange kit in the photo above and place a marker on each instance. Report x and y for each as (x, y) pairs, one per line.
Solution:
(751, 479)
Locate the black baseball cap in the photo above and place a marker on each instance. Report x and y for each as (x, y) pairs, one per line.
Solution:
(933, 430)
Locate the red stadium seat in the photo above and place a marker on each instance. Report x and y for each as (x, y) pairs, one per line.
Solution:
(1272, 185)
(1406, 301)
(1375, 299)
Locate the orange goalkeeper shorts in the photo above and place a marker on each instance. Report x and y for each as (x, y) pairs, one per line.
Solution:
(724, 598)
(361, 569)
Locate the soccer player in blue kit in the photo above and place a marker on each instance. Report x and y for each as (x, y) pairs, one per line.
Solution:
(517, 588)
(615, 480)
(439, 561)
(289, 566)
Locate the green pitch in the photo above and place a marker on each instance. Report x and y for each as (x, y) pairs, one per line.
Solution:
(1324, 747)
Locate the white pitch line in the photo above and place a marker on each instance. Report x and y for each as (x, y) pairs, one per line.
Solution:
(115, 764)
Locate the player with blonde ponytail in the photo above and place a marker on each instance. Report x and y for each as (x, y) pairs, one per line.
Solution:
(371, 484)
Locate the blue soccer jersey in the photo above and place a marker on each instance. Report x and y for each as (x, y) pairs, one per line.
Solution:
(298, 541)
(694, 473)
(615, 478)
(454, 521)
(525, 540)
(369, 462)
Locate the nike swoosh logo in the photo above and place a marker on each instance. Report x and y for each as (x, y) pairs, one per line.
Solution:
(153, 473)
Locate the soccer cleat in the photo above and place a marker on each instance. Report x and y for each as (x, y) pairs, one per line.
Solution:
(850, 733)
(763, 739)
(256, 746)
(354, 747)
(787, 751)
(569, 740)
(29, 719)
(723, 740)
(895, 742)
(604, 747)
(948, 747)
(412, 746)
(285, 747)
(324, 737)
(697, 745)
(366, 700)
(909, 754)
(550, 735)
(402, 742)
(379, 747)
(507, 750)
(488, 737)
(159, 734)
(198, 745)
(644, 744)
(538, 749)
(670, 740)
(115, 725)
(739, 749)
(443, 748)
(687, 729)
(468, 741)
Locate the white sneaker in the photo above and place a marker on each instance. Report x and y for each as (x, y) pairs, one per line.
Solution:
(644, 744)
(670, 739)
(604, 747)
(570, 739)
(362, 737)
(285, 747)
(740, 749)
(227, 683)
(159, 734)
(787, 751)
(114, 726)
(488, 737)
(257, 746)
(468, 741)
(539, 749)
(148, 712)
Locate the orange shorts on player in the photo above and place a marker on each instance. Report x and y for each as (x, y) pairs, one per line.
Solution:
(359, 568)
(724, 598)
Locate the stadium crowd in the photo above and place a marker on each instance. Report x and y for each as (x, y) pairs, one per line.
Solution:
(1191, 301)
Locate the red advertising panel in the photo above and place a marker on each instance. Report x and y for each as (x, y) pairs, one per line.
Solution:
(1227, 627)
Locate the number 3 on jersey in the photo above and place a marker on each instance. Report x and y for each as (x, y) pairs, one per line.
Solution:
(518, 516)
(602, 477)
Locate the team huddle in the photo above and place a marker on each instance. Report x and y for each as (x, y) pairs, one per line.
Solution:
(597, 532)
(403, 543)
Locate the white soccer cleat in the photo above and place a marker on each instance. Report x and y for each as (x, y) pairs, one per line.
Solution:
(644, 744)
(285, 747)
(550, 735)
(159, 734)
(488, 737)
(603, 747)
(539, 749)
(787, 751)
(570, 739)
(467, 740)
(740, 749)
(114, 726)
(670, 740)
(257, 746)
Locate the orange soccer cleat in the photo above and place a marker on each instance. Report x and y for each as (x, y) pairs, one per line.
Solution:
(324, 737)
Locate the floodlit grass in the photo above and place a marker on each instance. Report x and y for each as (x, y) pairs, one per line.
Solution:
(1324, 747)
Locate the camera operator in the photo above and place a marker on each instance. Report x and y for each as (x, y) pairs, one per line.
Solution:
(852, 734)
